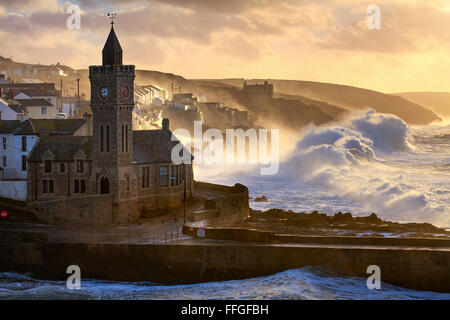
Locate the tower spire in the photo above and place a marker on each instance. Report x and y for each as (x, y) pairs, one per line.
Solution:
(112, 51)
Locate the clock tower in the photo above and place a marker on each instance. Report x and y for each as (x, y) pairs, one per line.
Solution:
(112, 103)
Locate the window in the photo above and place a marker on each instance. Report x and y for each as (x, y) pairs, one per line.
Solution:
(123, 138)
(62, 167)
(79, 186)
(43, 110)
(127, 183)
(101, 138)
(163, 176)
(104, 138)
(107, 138)
(126, 137)
(173, 175)
(80, 166)
(4, 161)
(24, 143)
(48, 186)
(48, 166)
(176, 174)
(4, 143)
(24, 163)
(145, 177)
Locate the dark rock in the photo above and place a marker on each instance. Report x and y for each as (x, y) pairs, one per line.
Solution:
(261, 199)
(343, 217)
(373, 219)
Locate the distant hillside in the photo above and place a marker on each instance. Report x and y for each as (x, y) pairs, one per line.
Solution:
(439, 102)
(349, 97)
(314, 102)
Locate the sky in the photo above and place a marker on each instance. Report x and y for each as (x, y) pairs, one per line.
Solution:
(324, 40)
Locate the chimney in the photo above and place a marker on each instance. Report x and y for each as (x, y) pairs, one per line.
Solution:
(165, 124)
(88, 118)
(23, 117)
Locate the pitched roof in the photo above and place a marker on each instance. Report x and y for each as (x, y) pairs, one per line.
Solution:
(35, 92)
(63, 148)
(9, 126)
(51, 126)
(14, 105)
(153, 146)
(34, 103)
(112, 51)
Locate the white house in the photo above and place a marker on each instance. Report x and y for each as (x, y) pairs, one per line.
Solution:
(38, 94)
(10, 110)
(38, 108)
(16, 142)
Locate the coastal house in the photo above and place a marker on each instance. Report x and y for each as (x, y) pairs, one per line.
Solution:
(116, 174)
(38, 108)
(10, 110)
(45, 91)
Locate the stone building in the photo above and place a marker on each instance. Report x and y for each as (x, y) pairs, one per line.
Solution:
(258, 92)
(116, 175)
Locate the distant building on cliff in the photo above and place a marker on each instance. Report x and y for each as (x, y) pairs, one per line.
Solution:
(258, 92)
(117, 174)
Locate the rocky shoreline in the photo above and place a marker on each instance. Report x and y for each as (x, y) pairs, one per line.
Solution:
(341, 224)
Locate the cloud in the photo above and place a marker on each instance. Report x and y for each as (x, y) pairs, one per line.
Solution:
(252, 38)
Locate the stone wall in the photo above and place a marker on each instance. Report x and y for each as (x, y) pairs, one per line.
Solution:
(22, 251)
(416, 268)
(93, 209)
(226, 205)
(420, 268)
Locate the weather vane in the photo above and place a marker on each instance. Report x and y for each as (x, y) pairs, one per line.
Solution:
(112, 16)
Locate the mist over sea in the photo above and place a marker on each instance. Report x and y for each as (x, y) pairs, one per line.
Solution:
(368, 163)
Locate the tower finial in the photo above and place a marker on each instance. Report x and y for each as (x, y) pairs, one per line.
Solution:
(112, 16)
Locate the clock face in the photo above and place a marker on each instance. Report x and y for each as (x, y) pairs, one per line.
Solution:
(125, 91)
(104, 92)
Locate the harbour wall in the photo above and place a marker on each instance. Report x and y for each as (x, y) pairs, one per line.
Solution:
(420, 268)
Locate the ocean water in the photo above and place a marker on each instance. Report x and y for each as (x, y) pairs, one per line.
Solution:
(369, 163)
(297, 284)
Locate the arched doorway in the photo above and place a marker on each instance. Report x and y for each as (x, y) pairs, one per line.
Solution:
(104, 185)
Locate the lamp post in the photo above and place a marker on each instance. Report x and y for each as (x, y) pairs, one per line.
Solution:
(184, 195)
